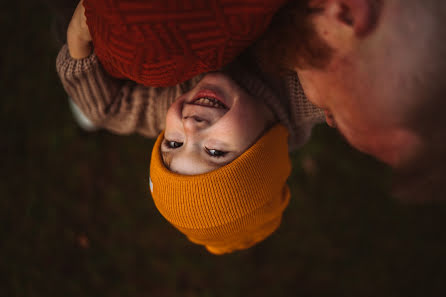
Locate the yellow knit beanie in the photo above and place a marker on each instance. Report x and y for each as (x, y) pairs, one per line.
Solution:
(230, 208)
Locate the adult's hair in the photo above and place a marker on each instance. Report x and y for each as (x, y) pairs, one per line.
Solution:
(291, 40)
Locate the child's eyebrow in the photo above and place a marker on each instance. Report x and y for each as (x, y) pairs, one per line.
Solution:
(167, 158)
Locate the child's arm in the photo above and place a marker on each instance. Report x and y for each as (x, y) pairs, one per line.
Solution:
(120, 106)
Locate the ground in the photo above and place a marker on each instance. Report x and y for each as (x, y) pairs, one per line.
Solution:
(77, 218)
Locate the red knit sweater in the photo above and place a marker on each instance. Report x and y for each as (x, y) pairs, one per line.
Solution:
(165, 42)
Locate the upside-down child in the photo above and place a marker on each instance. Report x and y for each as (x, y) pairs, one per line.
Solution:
(220, 163)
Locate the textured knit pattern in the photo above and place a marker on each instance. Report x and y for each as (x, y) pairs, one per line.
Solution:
(166, 42)
(232, 207)
(125, 107)
(120, 106)
(308, 114)
(282, 94)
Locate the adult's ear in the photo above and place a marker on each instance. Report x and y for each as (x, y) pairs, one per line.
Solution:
(352, 17)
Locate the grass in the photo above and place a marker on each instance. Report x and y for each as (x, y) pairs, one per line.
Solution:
(77, 218)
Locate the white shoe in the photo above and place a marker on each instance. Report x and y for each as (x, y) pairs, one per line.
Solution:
(80, 117)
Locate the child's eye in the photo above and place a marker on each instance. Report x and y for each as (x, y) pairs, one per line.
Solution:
(173, 144)
(215, 153)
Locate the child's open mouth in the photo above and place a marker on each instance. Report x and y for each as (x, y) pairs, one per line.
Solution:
(209, 98)
(210, 102)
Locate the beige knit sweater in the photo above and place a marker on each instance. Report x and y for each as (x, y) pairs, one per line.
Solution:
(125, 107)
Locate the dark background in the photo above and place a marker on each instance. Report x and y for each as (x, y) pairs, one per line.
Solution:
(77, 218)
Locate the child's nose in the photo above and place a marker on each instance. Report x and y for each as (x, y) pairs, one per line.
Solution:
(194, 123)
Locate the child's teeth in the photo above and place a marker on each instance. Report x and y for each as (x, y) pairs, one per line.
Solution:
(209, 102)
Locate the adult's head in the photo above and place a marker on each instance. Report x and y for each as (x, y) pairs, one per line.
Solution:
(375, 66)
(369, 64)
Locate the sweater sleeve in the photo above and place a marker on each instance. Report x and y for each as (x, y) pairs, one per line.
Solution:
(120, 106)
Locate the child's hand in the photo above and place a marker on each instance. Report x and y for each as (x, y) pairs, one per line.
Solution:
(78, 35)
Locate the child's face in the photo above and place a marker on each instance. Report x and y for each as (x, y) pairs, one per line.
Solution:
(211, 125)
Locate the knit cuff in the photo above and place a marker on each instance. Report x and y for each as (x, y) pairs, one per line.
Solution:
(73, 67)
